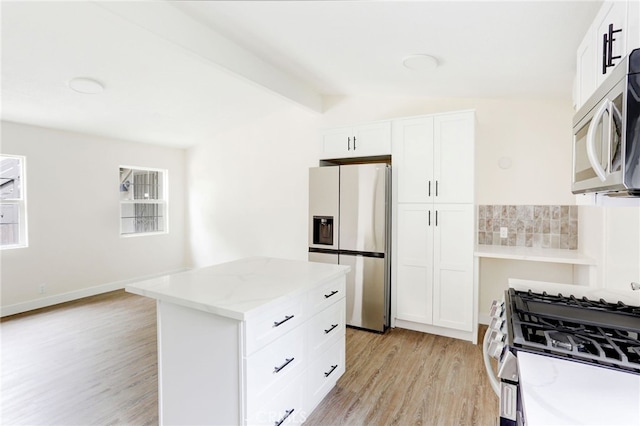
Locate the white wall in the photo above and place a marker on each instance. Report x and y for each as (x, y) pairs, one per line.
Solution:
(73, 217)
(248, 189)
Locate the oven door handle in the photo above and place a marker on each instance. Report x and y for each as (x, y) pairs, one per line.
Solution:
(493, 380)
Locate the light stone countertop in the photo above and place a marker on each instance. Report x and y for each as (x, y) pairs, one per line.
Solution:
(562, 392)
(239, 289)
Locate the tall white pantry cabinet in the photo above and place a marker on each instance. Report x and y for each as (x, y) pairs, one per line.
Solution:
(433, 164)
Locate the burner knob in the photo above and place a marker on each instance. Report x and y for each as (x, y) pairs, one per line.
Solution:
(495, 349)
(496, 336)
(496, 324)
(497, 309)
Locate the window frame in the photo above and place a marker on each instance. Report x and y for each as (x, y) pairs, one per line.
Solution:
(162, 201)
(21, 202)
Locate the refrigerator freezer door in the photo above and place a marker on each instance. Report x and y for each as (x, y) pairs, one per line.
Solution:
(323, 258)
(367, 301)
(324, 185)
(363, 207)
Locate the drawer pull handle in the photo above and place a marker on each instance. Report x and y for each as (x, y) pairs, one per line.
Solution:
(330, 294)
(333, 367)
(287, 413)
(286, 318)
(287, 361)
(331, 329)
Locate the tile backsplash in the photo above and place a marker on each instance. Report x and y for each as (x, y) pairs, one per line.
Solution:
(529, 226)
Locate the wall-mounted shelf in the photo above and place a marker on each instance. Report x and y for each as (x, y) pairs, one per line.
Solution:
(534, 254)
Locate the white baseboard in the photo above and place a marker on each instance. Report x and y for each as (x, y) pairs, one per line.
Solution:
(440, 331)
(74, 295)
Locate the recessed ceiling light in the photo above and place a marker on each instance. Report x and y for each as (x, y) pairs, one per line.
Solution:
(420, 62)
(87, 86)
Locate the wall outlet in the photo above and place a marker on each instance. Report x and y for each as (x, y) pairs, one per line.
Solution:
(42, 289)
(503, 232)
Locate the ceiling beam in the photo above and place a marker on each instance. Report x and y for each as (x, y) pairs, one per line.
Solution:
(175, 27)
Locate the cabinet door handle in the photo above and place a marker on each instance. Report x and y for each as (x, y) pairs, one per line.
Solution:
(429, 188)
(287, 361)
(611, 40)
(333, 326)
(279, 323)
(436, 217)
(349, 143)
(287, 413)
(605, 41)
(326, 296)
(607, 48)
(429, 224)
(436, 188)
(354, 143)
(333, 367)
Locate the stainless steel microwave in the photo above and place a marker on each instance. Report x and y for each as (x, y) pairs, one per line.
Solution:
(606, 135)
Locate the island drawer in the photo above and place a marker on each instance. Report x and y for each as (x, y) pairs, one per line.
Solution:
(324, 326)
(325, 370)
(285, 408)
(325, 295)
(273, 324)
(273, 367)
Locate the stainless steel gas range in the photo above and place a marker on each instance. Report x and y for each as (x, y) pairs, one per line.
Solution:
(557, 328)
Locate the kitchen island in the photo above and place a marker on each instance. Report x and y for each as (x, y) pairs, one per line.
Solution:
(254, 341)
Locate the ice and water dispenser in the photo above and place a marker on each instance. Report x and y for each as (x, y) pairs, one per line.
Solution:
(323, 230)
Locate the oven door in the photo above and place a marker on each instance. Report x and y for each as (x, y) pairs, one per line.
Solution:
(598, 145)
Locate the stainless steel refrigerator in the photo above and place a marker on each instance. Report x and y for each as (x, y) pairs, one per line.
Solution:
(349, 224)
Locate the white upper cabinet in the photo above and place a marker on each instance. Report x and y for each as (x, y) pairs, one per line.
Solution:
(434, 157)
(453, 158)
(613, 34)
(413, 159)
(611, 37)
(586, 73)
(367, 140)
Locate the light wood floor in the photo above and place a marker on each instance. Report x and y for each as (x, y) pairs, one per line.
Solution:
(94, 362)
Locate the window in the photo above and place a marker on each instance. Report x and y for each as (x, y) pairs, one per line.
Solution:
(143, 201)
(13, 205)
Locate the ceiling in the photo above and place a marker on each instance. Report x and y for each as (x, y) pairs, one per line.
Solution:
(177, 73)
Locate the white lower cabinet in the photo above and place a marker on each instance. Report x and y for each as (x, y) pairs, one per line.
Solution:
(285, 408)
(271, 369)
(621, 250)
(325, 369)
(435, 265)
